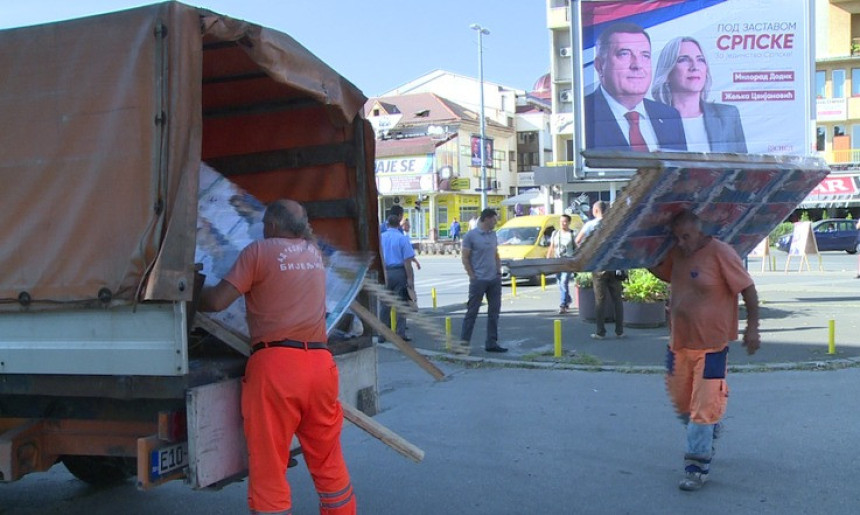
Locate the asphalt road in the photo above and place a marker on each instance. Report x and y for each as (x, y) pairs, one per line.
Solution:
(504, 439)
(520, 441)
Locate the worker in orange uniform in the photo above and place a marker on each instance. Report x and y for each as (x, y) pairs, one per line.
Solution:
(706, 276)
(291, 380)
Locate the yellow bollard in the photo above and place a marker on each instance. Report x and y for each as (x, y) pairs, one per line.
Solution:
(543, 282)
(831, 347)
(393, 316)
(557, 331)
(448, 333)
(433, 295)
(513, 286)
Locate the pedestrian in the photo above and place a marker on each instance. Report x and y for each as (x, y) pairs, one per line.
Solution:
(398, 256)
(607, 284)
(481, 260)
(396, 210)
(455, 231)
(561, 245)
(473, 223)
(706, 276)
(289, 387)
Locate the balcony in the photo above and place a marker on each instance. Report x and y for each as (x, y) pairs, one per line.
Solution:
(844, 159)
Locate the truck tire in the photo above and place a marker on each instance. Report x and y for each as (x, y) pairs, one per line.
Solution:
(100, 470)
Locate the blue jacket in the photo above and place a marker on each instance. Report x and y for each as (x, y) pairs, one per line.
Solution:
(602, 130)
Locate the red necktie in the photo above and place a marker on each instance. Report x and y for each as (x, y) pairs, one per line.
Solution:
(637, 142)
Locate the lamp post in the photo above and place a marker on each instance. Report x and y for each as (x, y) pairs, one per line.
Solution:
(481, 32)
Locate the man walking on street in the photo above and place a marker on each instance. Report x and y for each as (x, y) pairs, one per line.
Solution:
(562, 245)
(706, 277)
(481, 260)
(607, 284)
(399, 258)
(291, 382)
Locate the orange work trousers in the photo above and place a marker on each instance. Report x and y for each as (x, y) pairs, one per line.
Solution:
(696, 382)
(288, 392)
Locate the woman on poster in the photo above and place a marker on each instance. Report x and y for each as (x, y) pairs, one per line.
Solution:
(683, 81)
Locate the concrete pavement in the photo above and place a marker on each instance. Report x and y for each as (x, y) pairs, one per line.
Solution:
(796, 308)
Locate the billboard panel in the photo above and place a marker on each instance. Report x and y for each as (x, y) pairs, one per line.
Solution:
(697, 75)
(476, 151)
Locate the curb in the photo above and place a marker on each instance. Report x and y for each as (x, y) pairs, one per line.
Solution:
(475, 361)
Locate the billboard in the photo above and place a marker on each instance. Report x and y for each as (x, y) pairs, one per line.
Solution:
(697, 75)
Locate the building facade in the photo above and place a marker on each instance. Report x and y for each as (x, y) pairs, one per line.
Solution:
(837, 93)
(428, 149)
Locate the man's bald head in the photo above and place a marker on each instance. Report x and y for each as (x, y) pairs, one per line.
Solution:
(286, 218)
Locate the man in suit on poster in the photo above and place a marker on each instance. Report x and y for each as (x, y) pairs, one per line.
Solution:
(617, 114)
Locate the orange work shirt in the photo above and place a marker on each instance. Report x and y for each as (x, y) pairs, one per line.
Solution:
(283, 281)
(704, 298)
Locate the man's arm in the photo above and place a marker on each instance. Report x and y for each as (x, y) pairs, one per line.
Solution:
(410, 273)
(752, 339)
(580, 235)
(218, 297)
(550, 252)
(465, 255)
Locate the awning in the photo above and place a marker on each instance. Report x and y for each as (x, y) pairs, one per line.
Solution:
(529, 198)
(834, 191)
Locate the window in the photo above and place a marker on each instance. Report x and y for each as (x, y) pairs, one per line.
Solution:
(820, 133)
(838, 78)
(838, 130)
(820, 79)
(855, 136)
(855, 82)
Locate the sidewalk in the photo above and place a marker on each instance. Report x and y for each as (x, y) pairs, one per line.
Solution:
(795, 312)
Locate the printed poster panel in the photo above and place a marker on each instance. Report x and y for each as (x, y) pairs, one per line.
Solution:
(229, 219)
(761, 250)
(476, 151)
(717, 75)
(738, 202)
(802, 240)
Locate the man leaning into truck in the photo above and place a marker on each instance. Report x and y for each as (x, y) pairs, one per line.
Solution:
(291, 380)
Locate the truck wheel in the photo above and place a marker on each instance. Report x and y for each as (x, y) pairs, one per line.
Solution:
(100, 470)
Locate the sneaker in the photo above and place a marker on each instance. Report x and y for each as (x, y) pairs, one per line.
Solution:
(693, 481)
(621, 336)
(596, 336)
(562, 310)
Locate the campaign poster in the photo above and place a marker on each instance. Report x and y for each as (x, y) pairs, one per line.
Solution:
(476, 151)
(729, 76)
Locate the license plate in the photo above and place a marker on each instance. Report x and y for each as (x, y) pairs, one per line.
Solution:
(167, 460)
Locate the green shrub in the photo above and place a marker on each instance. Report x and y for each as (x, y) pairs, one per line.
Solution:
(643, 286)
(780, 230)
(583, 280)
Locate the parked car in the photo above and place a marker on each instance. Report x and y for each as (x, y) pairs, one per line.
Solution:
(830, 234)
(527, 237)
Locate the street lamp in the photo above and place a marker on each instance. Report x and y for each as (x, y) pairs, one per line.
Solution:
(481, 32)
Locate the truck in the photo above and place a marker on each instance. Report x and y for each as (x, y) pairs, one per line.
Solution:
(104, 365)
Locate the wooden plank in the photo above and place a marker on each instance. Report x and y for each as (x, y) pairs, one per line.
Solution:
(387, 436)
(216, 438)
(235, 341)
(398, 342)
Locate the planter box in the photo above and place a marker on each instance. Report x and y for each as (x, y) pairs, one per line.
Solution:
(644, 314)
(585, 303)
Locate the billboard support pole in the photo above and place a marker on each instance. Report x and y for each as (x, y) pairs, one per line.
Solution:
(576, 82)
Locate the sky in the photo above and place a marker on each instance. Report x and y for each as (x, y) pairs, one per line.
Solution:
(377, 45)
